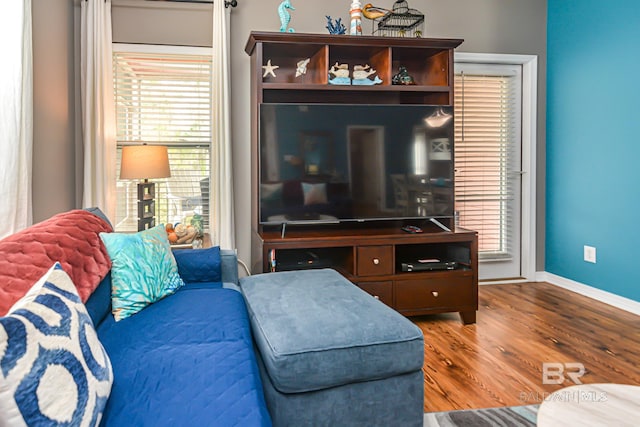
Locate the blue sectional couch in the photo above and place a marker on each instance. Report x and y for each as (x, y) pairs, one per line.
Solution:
(302, 348)
(187, 359)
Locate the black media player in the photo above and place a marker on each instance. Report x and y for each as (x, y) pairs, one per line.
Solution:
(428, 265)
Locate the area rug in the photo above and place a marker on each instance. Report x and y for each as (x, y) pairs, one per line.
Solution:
(511, 416)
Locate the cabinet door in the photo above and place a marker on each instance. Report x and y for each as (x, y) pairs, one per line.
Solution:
(375, 260)
(434, 294)
(382, 291)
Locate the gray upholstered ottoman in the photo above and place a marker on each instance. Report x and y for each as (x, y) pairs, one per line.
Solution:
(332, 355)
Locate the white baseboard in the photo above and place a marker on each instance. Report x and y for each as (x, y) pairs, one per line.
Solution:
(589, 291)
(502, 281)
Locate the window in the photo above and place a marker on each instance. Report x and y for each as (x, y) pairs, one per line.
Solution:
(164, 98)
(488, 157)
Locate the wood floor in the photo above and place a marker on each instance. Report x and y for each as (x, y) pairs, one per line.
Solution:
(498, 361)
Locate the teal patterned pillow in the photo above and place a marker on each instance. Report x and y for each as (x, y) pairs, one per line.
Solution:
(143, 270)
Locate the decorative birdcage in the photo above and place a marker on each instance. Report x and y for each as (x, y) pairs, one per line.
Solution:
(401, 21)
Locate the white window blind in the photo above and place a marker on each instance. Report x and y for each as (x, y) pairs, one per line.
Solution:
(165, 99)
(487, 127)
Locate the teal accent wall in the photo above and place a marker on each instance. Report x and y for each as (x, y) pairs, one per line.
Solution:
(593, 143)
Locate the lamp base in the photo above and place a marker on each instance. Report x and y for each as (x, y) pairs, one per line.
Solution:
(146, 205)
(146, 223)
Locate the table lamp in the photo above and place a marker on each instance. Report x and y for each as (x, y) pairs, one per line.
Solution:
(145, 162)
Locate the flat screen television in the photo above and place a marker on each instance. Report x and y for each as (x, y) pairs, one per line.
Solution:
(352, 162)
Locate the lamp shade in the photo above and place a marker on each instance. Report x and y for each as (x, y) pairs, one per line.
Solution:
(144, 162)
(438, 119)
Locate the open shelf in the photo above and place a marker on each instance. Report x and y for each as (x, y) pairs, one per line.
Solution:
(338, 258)
(426, 60)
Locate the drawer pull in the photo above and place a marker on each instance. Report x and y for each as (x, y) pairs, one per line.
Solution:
(376, 297)
(376, 261)
(435, 293)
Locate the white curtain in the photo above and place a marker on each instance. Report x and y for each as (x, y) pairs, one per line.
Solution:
(221, 216)
(98, 108)
(16, 117)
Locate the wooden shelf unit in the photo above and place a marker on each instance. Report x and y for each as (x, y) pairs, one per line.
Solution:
(369, 254)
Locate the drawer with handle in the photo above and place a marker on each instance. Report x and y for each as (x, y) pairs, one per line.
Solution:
(419, 294)
(374, 260)
(382, 291)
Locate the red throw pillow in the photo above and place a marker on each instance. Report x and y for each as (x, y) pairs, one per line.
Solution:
(71, 238)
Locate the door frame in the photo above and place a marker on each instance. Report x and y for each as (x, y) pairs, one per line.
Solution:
(380, 146)
(529, 65)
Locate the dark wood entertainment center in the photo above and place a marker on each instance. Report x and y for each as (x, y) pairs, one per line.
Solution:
(371, 253)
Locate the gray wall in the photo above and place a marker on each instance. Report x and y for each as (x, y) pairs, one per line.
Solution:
(491, 26)
(53, 108)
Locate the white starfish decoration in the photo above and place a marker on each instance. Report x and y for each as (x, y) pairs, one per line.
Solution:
(269, 69)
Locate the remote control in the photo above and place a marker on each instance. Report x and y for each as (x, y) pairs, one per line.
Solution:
(412, 229)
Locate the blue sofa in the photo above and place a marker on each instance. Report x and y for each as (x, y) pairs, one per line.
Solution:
(187, 359)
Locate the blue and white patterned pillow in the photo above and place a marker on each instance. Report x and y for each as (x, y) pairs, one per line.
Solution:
(53, 369)
(143, 270)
